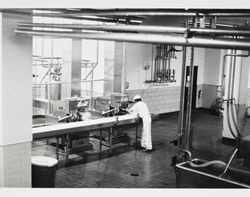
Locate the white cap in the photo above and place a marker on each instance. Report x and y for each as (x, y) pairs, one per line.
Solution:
(43, 161)
(137, 97)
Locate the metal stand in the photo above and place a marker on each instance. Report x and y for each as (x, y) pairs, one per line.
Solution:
(136, 136)
(100, 144)
(110, 139)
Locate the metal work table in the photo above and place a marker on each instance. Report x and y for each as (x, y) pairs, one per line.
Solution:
(67, 129)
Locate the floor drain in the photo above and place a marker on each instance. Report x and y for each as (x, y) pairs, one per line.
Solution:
(134, 174)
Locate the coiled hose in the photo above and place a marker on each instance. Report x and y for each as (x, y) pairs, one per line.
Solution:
(206, 164)
(190, 162)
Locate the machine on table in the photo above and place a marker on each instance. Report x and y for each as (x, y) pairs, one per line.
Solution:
(76, 110)
(65, 130)
(115, 105)
(73, 110)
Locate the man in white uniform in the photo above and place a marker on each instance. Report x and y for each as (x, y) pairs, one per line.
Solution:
(142, 110)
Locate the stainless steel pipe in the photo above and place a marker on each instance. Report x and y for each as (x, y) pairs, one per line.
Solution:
(139, 28)
(189, 100)
(143, 38)
(152, 12)
(133, 28)
(66, 16)
(182, 98)
(111, 13)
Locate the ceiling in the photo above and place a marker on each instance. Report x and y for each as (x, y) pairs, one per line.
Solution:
(229, 18)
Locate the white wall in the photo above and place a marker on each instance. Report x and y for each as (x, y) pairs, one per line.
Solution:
(109, 54)
(136, 58)
(211, 66)
(15, 80)
(15, 103)
(199, 56)
(249, 78)
(140, 55)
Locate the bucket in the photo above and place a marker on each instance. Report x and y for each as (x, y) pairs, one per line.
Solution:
(43, 171)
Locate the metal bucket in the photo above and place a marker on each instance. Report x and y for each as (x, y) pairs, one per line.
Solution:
(209, 177)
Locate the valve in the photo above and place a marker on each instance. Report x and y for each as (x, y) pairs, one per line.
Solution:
(174, 142)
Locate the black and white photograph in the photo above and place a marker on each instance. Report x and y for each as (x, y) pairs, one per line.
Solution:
(125, 97)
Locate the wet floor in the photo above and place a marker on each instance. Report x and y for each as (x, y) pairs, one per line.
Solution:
(127, 167)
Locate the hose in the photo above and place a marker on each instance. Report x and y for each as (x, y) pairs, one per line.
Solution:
(232, 93)
(224, 172)
(228, 96)
(190, 162)
(207, 164)
(232, 113)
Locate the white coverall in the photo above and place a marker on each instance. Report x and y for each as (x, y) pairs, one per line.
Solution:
(142, 109)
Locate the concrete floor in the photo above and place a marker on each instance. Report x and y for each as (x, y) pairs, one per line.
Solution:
(93, 170)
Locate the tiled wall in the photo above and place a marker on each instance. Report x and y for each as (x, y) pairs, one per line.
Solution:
(199, 100)
(248, 96)
(1, 169)
(209, 95)
(160, 99)
(163, 99)
(15, 169)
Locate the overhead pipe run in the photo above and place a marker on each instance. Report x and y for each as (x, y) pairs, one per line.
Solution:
(90, 18)
(140, 28)
(143, 38)
(153, 12)
(128, 28)
(66, 16)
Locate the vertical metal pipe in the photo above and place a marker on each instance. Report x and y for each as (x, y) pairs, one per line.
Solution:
(167, 63)
(152, 65)
(160, 62)
(189, 102)
(49, 75)
(92, 76)
(190, 95)
(123, 78)
(223, 77)
(100, 143)
(233, 74)
(57, 148)
(110, 139)
(155, 69)
(169, 70)
(92, 87)
(164, 64)
(182, 96)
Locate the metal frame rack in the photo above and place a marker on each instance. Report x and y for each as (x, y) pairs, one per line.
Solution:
(67, 129)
